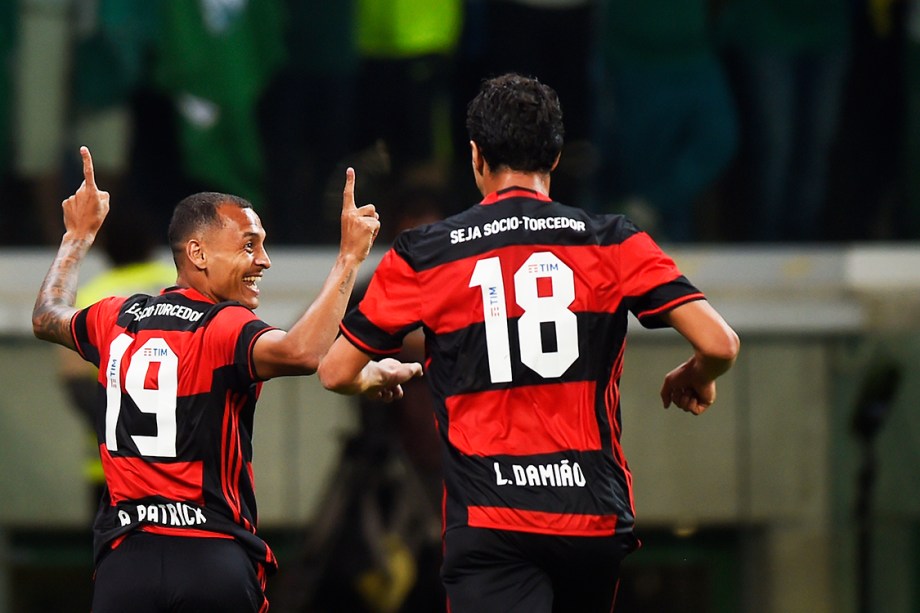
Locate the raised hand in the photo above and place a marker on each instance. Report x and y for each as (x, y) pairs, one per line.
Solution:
(359, 225)
(85, 211)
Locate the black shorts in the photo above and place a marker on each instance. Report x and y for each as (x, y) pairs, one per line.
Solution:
(499, 571)
(151, 573)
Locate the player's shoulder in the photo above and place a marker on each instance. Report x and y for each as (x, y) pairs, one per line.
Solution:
(616, 226)
(230, 314)
(607, 228)
(105, 308)
(432, 237)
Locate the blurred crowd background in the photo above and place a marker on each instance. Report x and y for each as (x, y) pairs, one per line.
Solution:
(718, 121)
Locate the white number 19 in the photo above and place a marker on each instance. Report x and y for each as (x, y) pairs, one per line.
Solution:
(160, 401)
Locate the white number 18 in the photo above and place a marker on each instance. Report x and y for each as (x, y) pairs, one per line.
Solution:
(552, 308)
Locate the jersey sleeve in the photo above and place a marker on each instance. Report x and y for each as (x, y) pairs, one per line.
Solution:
(651, 281)
(390, 309)
(232, 336)
(90, 325)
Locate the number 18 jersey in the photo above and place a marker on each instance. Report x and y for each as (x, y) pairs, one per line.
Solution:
(524, 303)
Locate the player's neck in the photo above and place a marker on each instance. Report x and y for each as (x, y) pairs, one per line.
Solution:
(197, 281)
(536, 181)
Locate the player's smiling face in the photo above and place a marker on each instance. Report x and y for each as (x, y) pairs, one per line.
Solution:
(236, 256)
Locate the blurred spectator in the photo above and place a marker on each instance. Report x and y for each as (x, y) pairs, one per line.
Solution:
(788, 61)
(868, 178)
(554, 41)
(670, 125)
(407, 48)
(470, 59)
(78, 64)
(215, 59)
(112, 48)
(307, 116)
(40, 111)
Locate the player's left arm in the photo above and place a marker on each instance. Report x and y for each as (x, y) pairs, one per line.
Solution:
(347, 370)
(692, 385)
(299, 350)
(84, 213)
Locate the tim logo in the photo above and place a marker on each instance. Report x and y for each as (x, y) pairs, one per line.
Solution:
(154, 352)
(540, 267)
(494, 299)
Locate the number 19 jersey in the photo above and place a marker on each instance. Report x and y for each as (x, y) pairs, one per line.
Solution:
(524, 303)
(177, 395)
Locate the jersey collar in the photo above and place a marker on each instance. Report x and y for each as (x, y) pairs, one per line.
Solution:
(514, 192)
(190, 293)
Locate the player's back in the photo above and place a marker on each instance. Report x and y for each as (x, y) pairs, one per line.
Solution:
(526, 321)
(175, 437)
(519, 291)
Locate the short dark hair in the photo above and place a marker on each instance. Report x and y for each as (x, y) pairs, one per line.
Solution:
(195, 213)
(516, 121)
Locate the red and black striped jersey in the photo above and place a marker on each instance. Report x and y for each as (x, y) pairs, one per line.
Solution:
(524, 303)
(177, 394)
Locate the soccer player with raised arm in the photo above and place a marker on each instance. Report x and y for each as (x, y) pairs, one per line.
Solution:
(179, 376)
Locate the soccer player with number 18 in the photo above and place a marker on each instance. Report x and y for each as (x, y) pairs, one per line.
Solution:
(524, 305)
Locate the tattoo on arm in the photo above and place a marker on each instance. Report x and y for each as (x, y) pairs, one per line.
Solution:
(54, 306)
(346, 285)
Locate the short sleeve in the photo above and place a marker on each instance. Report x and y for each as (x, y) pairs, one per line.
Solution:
(651, 281)
(390, 309)
(90, 326)
(232, 335)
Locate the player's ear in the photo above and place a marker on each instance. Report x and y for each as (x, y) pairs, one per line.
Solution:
(556, 163)
(477, 159)
(194, 251)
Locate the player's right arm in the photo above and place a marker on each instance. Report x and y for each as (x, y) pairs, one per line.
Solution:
(84, 213)
(692, 385)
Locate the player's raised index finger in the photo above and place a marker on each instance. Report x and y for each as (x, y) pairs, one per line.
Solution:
(348, 194)
(88, 174)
